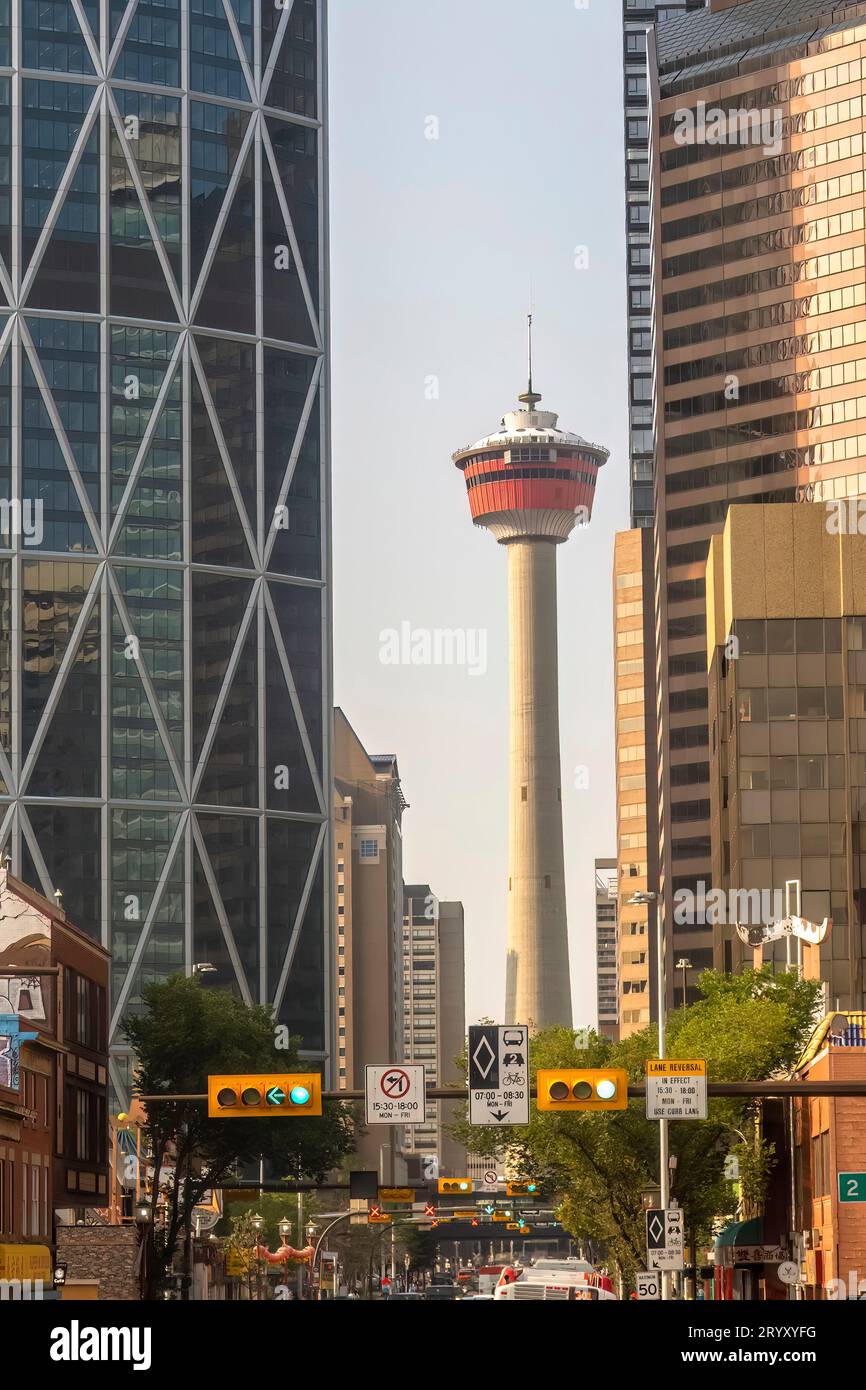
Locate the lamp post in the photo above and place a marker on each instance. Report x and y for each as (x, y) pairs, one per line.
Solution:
(257, 1224)
(643, 899)
(684, 965)
(285, 1229)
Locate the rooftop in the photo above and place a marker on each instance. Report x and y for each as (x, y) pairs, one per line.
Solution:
(691, 38)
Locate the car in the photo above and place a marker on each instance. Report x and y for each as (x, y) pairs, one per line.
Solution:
(401, 1297)
(442, 1293)
(478, 1298)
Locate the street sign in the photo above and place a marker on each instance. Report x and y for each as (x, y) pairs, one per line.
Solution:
(852, 1187)
(395, 1095)
(328, 1271)
(397, 1194)
(789, 1272)
(676, 1089)
(649, 1285)
(498, 1074)
(264, 1096)
(759, 1254)
(665, 1239)
(490, 1179)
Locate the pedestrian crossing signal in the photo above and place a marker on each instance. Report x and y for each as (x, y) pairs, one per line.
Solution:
(582, 1088)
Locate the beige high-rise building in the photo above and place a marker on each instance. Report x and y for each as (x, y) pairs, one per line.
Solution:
(434, 1028)
(759, 294)
(368, 893)
(606, 994)
(786, 652)
(636, 795)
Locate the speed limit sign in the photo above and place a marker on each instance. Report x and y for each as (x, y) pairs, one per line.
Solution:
(648, 1284)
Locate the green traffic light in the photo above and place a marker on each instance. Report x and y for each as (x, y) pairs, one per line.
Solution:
(606, 1089)
(299, 1095)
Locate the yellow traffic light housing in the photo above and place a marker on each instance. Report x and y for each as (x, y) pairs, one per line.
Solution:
(582, 1088)
(264, 1096)
(454, 1185)
(521, 1189)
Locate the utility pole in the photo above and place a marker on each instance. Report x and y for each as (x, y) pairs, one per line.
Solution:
(641, 899)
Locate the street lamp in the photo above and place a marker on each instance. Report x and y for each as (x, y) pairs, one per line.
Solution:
(643, 899)
(285, 1229)
(257, 1222)
(684, 965)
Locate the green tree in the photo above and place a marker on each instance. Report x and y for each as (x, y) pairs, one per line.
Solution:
(185, 1033)
(748, 1027)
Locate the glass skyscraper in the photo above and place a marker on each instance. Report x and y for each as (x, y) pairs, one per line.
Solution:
(164, 557)
(637, 16)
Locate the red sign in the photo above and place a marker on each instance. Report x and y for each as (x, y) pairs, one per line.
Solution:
(395, 1083)
(429, 1209)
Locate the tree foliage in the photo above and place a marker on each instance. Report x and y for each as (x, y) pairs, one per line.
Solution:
(748, 1027)
(185, 1033)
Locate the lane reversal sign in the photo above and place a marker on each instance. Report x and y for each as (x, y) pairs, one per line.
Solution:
(395, 1095)
(676, 1089)
(499, 1074)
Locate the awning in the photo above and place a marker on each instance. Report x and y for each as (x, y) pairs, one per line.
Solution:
(742, 1233)
(26, 1262)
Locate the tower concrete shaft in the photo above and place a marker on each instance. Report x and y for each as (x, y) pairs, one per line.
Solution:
(538, 989)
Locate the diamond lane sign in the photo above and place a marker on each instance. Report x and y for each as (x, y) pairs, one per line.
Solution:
(499, 1074)
(665, 1238)
(676, 1089)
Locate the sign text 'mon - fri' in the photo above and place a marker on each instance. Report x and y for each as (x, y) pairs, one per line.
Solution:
(498, 1074)
(676, 1088)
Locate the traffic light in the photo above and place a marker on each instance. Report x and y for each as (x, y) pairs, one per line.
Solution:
(268, 1096)
(521, 1189)
(452, 1185)
(583, 1088)
(429, 1209)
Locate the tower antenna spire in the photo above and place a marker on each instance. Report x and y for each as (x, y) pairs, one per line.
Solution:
(529, 398)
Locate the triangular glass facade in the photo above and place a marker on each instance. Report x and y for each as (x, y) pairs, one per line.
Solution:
(163, 676)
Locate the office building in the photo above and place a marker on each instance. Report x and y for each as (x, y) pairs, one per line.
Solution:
(637, 16)
(434, 1032)
(607, 1006)
(529, 484)
(786, 651)
(368, 892)
(164, 747)
(757, 223)
(636, 776)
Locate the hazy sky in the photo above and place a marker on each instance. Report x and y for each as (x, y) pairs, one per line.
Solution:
(434, 245)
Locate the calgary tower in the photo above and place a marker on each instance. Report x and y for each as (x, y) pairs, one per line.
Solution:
(530, 484)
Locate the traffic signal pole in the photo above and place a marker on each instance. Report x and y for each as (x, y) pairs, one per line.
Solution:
(664, 1156)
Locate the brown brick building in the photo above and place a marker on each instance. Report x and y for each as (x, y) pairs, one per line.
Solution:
(828, 1134)
(53, 1106)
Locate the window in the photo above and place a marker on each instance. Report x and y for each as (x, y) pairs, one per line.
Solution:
(369, 849)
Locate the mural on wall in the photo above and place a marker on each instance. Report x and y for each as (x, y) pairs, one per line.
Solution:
(11, 1039)
(25, 941)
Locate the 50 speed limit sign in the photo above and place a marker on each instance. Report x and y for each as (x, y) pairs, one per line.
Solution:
(649, 1285)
